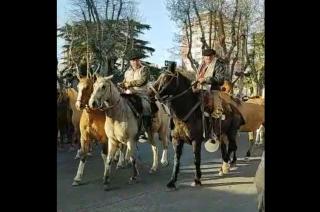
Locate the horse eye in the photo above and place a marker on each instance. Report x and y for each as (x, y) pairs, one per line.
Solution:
(104, 87)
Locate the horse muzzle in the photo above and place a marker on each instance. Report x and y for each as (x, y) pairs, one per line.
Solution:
(79, 105)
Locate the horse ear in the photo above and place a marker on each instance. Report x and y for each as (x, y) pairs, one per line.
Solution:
(94, 77)
(78, 76)
(172, 67)
(109, 77)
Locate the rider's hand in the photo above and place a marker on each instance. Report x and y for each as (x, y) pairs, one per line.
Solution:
(126, 85)
(201, 80)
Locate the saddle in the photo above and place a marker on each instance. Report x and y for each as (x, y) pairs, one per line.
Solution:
(135, 103)
(229, 103)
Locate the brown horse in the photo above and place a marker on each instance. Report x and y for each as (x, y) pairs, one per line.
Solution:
(63, 117)
(252, 113)
(76, 114)
(257, 126)
(70, 95)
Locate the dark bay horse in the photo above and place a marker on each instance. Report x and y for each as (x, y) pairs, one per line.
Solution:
(175, 88)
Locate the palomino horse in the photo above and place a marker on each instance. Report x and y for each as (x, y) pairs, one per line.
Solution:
(188, 122)
(121, 126)
(91, 124)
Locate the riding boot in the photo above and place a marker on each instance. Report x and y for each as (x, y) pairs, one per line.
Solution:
(146, 125)
(147, 122)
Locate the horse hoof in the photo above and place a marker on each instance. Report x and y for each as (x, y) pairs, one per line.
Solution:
(120, 167)
(133, 180)
(152, 171)
(220, 173)
(196, 183)
(225, 170)
(76, 183)
(171, 186)
(106, 187)
(169, 189)
(164, 163)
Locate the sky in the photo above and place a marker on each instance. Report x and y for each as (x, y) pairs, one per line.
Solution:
(152, 12)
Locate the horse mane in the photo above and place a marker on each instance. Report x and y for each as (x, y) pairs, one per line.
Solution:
(72, 93)
(236, 100)
(191, 76)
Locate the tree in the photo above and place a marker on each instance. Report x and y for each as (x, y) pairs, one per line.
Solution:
(102, 33)
(227, 26)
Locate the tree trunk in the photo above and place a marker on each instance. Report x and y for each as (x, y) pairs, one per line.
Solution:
(126, 46)
(107, 6)
(113, 10)
(189, 36)
(210, 29)
(203, 37)
(235, 59)
(233, 31)
(215, 25)
(120, 9)
(222, 35)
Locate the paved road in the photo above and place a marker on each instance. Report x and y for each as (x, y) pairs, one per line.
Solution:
(234, 192)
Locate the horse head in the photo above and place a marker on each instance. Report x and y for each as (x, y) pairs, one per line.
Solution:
(85, 88)
(101, 96)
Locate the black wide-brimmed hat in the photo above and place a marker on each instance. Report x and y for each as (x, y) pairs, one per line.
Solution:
(208, 52)
(134, 54)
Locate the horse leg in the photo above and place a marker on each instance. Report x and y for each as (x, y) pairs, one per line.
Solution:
(77, 143)
(132, 153)
(232, 137)
(121, 161)
(164, 136)
(177, 146)
(59, 140)
(232, 147)
(155, 164)
(117, 155)
(225, 158)
(83, 157)
(110, 148)
(251, 142)
(196, 146)
(260, 135)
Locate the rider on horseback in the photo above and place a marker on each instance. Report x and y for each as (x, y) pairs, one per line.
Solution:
(135, 81)
(210, 76)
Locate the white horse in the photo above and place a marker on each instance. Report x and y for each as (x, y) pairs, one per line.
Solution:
(121, 126)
